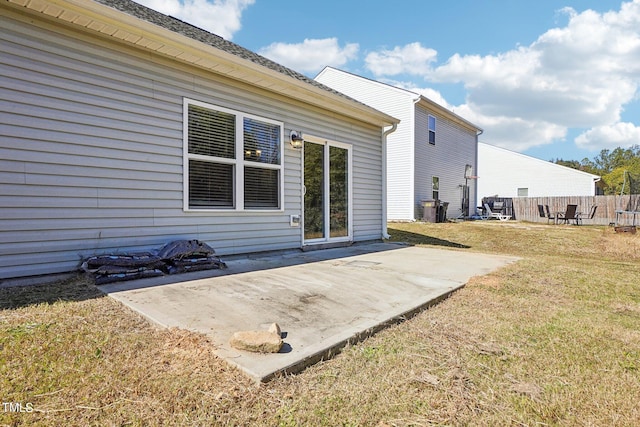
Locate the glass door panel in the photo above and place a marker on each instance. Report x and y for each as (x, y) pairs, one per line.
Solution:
(338, 192)
(314, 218)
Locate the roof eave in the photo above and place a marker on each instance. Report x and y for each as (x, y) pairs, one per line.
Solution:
(95, 17)
(427, 103)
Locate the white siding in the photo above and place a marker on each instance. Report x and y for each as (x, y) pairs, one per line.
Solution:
(502, 172)
(396, 103)
(91, 149)
(411, 160)
(455, 148)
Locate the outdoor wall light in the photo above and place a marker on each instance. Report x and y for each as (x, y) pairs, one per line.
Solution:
(296, 140)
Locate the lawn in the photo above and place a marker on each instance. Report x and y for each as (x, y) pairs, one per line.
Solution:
(553, 339)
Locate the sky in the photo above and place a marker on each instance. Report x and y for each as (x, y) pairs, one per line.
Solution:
(553, 79)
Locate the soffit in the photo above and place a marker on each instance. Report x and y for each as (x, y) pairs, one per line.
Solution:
(100, 18)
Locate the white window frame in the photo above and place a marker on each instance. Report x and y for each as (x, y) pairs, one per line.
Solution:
(429, 130)
(435, 179)
(327, 144)
(239, 162)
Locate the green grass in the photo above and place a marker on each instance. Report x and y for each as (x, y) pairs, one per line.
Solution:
(553, 339)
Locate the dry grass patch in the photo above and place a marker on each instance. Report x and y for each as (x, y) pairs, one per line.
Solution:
(551, 340)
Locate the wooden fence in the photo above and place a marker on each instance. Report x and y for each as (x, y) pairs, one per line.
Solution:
(526, 208)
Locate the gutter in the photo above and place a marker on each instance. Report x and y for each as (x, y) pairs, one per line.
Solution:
(127, 28)
(386, 133)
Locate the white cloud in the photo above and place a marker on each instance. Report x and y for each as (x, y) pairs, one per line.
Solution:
(408, 59)
(221, 17)
(500, 129)
(618, 135)
(578, 76)
(427, 92)
(312, 55)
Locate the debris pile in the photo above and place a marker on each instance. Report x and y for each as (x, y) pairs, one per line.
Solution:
(115, 268)
(179, 256)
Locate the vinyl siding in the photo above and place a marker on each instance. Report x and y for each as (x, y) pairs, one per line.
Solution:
(502, 172)
(396, 103)
(455, 147)
(91, 149)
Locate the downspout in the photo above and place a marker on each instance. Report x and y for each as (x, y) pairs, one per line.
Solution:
(386, 133)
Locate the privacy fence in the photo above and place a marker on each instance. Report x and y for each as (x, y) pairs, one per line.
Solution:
(526, 208)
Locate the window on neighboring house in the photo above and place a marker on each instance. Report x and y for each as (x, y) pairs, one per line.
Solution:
(232, 160)
(432, 130)
(523, 192)
(435, 187)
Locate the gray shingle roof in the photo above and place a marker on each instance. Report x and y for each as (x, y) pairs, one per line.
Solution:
(176, 25)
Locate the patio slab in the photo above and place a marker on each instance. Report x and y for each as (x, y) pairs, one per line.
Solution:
(322, 300)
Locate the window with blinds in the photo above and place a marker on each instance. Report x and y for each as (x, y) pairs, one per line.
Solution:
(232, 160)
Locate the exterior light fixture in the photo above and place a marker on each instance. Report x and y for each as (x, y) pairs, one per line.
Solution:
(296, 140)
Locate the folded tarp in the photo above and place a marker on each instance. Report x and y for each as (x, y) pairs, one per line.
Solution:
(179, 249)
(182, 256)
(118, 267)
(179, 256)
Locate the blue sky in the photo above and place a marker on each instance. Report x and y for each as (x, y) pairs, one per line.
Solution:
(551, 79)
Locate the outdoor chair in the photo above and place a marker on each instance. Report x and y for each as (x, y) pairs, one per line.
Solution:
(592, 213)
(568, 215)
(480, 214)
(541, 211)
(497, 215)
(550, 216)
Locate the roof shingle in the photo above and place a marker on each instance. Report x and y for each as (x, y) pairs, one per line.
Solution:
(178, 26)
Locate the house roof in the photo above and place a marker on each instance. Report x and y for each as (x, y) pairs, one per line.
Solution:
(535, 160)
(415, 97)
(145, 28)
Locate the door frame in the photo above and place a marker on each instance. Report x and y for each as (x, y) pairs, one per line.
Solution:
(326, 143)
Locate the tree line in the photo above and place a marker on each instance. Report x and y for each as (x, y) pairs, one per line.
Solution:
(611, 166)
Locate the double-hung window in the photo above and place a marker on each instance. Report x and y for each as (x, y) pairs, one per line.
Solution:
(435, 187)
(232, 160)
(432, 130)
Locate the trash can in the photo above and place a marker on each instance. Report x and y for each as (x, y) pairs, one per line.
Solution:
(430, 210)
(442, 211)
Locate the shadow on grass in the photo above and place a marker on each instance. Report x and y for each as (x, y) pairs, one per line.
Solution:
(421, 239)
(76, 288)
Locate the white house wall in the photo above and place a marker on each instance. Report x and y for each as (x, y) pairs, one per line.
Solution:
(502, 172)
(396, 103)
(91, 153)
(455, 148)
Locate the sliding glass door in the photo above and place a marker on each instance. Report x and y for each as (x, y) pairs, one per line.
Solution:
(327, 198)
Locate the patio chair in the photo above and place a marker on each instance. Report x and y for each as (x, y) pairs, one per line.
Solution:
(568, 215)
(497, 215)
(592, 213)
(550, 216)
(479, 214)
(541, 211)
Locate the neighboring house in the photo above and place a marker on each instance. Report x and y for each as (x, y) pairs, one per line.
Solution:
(426, 156)
(122, 129)
(505, 173)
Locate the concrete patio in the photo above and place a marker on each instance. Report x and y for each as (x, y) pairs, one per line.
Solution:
(322, 299)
